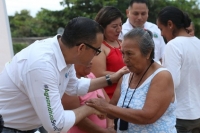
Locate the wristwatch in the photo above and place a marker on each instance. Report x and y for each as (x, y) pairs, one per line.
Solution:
(108, 80)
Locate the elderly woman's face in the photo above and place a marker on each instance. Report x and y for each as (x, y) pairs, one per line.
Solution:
(132, 56)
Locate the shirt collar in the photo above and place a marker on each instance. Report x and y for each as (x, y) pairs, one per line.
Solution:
(130, 26)
(61, 64)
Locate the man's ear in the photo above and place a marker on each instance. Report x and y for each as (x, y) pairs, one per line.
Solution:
(80, 48)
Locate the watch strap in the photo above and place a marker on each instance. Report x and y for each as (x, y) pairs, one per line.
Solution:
(108, 80)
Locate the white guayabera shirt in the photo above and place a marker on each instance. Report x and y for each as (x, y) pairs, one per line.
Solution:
(32, 84)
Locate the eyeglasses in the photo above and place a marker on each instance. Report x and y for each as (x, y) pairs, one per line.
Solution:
(98, 51)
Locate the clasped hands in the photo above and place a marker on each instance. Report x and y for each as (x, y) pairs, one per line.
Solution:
(100, 105)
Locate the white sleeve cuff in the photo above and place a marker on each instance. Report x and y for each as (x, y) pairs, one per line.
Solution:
(70, 119)
(83, 86)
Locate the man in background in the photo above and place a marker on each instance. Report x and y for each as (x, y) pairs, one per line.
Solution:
(137, 14)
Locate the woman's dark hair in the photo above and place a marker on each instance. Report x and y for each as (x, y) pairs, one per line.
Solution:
(108, 14)
(180, 19)
(81, 30)
(144, 38)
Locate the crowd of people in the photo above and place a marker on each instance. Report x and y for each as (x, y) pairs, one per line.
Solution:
(102, 76)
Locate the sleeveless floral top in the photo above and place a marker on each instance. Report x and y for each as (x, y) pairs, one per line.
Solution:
(165, 124)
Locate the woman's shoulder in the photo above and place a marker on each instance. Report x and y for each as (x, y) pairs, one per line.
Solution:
(125, 77)
(160, 73)
(104, 48)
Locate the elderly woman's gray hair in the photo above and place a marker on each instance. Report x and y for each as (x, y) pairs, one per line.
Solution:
(144, 38)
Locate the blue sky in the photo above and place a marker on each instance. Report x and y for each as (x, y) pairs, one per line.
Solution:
(32, 5)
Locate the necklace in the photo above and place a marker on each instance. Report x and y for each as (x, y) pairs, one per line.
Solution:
(152, 61)
(110, 46)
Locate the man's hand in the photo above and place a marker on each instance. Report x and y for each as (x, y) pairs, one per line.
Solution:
(98, 103)
(117, 75)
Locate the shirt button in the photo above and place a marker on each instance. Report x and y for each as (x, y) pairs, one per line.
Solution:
(66, 75)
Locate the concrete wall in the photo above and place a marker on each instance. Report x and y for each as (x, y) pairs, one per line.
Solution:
(26, 40)
(6, 49)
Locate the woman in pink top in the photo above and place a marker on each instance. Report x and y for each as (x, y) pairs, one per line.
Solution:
(91, 124)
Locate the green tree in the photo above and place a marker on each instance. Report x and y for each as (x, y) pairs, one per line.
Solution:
(47, 22)
(190, 7)
(20, 24)
(87, 8)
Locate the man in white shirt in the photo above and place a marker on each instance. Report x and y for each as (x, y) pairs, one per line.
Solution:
(137, 14)
(34, 81)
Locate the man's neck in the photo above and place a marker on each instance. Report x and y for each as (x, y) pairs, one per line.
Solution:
(68, 53)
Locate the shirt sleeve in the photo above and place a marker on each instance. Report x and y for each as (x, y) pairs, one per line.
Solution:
(41, 85)
(77, 86)
(172, 61)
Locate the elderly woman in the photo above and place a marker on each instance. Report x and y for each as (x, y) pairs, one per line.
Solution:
(145, 96)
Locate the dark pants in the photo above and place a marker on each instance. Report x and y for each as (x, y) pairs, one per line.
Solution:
(188, 126)
(1, 123)
(10, 130)
(42, 130)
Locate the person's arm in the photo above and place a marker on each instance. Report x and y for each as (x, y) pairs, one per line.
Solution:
(115, 97)
(110, 122)
(83, 85)
(99, 63)
(42, 88)
(101, 81)
(159, 97)
(86, 124)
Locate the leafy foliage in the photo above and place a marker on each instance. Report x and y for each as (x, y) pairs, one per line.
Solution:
(47, 22)
(18, 47)
(20, 24)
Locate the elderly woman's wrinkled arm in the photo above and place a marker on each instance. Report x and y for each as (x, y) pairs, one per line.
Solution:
(159, 97)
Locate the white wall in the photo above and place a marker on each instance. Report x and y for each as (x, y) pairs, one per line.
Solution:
(6, 49)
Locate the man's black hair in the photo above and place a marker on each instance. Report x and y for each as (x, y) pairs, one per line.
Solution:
(137, 1)
(80, 30)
